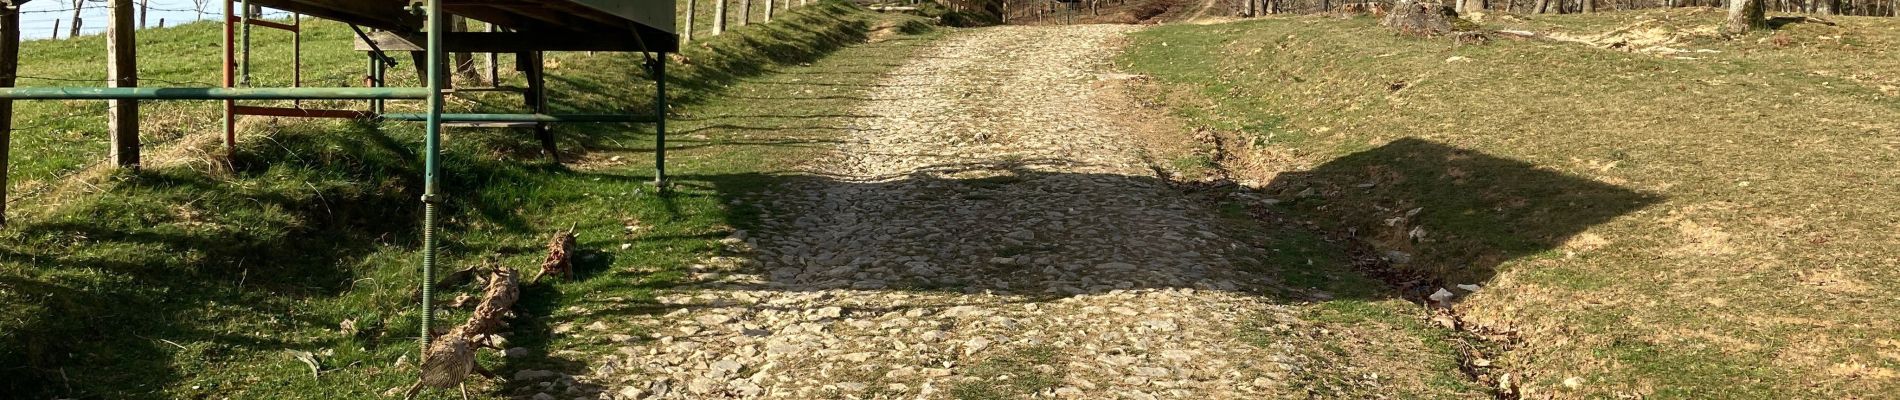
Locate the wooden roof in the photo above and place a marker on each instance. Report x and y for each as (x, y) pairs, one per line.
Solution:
(532, 25)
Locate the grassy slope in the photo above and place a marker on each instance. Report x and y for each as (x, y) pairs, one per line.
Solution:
(191, 282)
(1677, 228)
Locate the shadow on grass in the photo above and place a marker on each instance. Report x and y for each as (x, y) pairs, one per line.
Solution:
(1437, 216)
(939, 230)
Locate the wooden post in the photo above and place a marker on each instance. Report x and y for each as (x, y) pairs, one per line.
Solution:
(686, 34)
(745, 12)
(56, 29)
(145, 10)
(536, 98)
(719, 17)
(494, 69)
(122, 52)
(9, 65)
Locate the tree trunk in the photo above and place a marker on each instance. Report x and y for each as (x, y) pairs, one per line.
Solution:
(745, 12)
(1541, 7)
(77, 5)
(1589, 6)
(464, 62)
(719, 17)
(1746, 15)
(1826, 7)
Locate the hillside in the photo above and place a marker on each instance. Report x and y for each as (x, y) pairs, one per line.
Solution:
(194, 278)
(1699, 218)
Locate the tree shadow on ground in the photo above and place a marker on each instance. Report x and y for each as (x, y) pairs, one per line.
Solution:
(1441, 214)
(1433, 215)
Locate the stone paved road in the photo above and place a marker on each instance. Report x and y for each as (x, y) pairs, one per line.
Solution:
(986, 232)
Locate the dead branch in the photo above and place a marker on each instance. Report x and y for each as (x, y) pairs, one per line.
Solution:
(451, 357)
(560, 259)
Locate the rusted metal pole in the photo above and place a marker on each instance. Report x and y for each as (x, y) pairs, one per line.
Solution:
(244, 68)
(296, 54)
(432, 143)
(9, 65)
(122, 51)
(178, 93)
(230, 80)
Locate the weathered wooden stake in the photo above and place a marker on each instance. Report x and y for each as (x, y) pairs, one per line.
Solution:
(122, 51)
(686, 34)
(719, 17)
(745, 12)
(9, 64)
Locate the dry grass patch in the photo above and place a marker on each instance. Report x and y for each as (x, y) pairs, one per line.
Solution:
(1714, 224)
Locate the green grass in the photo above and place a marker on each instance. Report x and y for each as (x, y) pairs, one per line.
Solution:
(1700, 225)
(181, 281)
(1011, 375)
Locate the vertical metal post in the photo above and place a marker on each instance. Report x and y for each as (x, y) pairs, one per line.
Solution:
(433, 146)
(9, 65)
(659, 119)
(379, 71)
(230, 80)
(244, 24)
(122, 53)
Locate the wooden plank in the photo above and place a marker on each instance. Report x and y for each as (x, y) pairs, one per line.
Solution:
(123, 71)
(490, 124)
(300, 112)
(516, 42)
(379, 14)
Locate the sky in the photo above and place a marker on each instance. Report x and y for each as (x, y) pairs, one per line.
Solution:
(37, 16)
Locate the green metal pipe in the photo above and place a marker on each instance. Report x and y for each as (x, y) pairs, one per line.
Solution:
(433, 148)
(522, 117)
(659, 128)
(150, 93)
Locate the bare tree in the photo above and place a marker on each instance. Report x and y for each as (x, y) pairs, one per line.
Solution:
(77, 6)
(1746, 15)
(199, 6)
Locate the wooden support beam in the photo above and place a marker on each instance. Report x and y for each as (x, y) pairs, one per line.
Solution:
(536, 97)
(9, 65)
(516, 42)
(122, 53)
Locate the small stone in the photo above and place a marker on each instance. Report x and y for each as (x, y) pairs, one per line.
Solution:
(828, 312)
(713, 319)
(515, 352)
(535, 375)
(631, 393)
(543, 396)
(975, 345)
(1573, 382)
